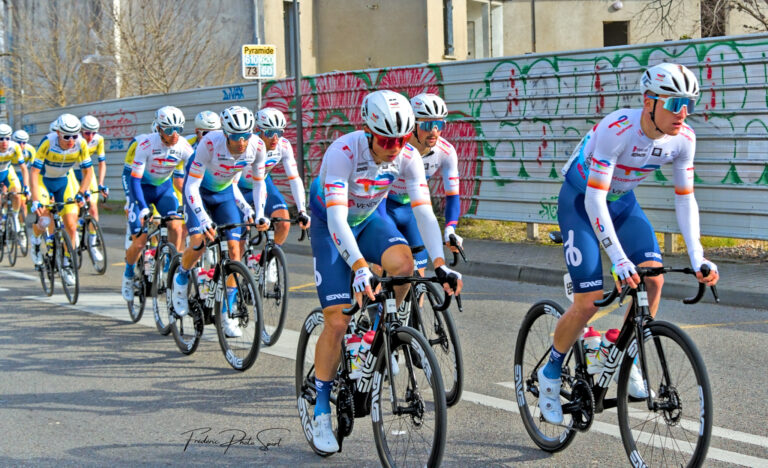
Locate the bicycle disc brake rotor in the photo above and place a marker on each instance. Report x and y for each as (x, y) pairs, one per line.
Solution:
(584, 405)
(671, 406)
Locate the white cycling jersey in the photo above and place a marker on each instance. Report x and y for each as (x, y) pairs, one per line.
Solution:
(154, 162)
(283, 153)
(615, 156)
(442, 156)
(214, 168)
(353, 186)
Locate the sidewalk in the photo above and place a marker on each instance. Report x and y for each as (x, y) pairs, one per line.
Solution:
(741, 284)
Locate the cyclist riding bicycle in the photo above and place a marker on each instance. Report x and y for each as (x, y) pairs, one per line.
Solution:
(351, 227)
(436, 153)
(271, 125)
(51, 178)
(211, 195)
(597, 207)
(27, 152)
(11, 155)
(158, 165)
(89, 132)
(206, 121)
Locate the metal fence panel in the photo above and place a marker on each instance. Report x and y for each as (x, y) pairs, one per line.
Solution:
(515, 121)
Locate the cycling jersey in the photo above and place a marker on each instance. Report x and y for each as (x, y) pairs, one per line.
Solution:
(283, 153)
(54, 162)
(11, 156)
(192, 140)
(95, 149)
(29, 154)
(611, 160)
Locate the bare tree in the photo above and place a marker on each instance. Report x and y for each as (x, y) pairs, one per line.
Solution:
(662, 17)
(756, 9)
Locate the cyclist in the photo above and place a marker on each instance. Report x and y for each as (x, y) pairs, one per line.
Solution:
(436, 153)
(271, 124)
(90, 129)
(158, 165)
(206, 121)
(211, 196)
(597, 207)
(350, 228)
(28, 153)
(57, 154)
(11, 154)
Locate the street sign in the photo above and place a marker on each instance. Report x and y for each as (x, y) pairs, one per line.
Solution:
(259, 62)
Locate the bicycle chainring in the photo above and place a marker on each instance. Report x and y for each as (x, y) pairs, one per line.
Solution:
(584, 405)
(345, 412)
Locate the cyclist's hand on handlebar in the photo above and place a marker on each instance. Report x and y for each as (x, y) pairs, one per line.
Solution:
(451, 280)
(625, 273)
(104, 191)
(304, 220)
(36, 207)
(80, 199)
(209, 230)
(262, 224)
(362, 285)
(144, 215)
(713, 276)
(450, 231)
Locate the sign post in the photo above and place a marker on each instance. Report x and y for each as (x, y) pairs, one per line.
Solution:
(258, 61)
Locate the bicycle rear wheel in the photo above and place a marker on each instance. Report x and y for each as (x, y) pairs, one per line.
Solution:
(678, 431)
(240, 351)
(413, 432)
(66, 262)
(98, 244)
(11, 243)
(186, 330)
(440, 331)
(5, 226)
(161, 288)
(532, 349)
(47, 274)
(23, 234)
(273, 288)
(138, 303)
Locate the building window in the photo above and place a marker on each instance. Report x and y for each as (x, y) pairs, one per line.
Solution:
(615, 33)
(485, 29)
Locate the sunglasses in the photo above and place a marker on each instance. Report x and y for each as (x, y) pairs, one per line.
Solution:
(204, 133)
(69, 137)
(272, 132)
(676, 104)
(171, 130)
(391, 142)
(5, 138)
(239, 136)
(430, 125)
(85, 133)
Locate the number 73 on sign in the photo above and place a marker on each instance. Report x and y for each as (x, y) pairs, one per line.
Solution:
(258, 61)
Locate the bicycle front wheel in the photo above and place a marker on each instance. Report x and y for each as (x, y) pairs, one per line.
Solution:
(161, 288)
(66, 261)
(47, 274)
(238, 317)
(11, 242)
(534, 342)
(97, 248)
(3, 234)
(273, 287)
(23, 235)
(186, 330)
(138, 303)
(678, 430)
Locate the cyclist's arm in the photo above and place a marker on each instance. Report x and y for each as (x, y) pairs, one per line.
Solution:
(102, 160)
(336, 191)
(258, 174)
(137, 172)
(292, 173)
(418, 191)
(196, 171)
(22, 168)
(450, 170)
(37, 166)
(240, 200)
(686, 208)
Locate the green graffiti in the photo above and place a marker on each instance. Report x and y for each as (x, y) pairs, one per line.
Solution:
(732, 177)
(763, 180)
(549, 208)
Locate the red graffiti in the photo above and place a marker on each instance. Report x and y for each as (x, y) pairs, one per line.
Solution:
(600, 98)
(120, 124)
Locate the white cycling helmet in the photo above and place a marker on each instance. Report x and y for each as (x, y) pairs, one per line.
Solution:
(5, 130)
(270, 118)
(670, 79)
(207, 120)
(237, 119)
(429, 106)
(54, 125)
(387, 113)
(90, 123)
(68, 124)
(169, 116)
(20, 136)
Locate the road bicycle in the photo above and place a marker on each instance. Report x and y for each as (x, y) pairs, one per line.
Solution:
(58, 252)
(672, 426)
(213, 305)
(270, 270)
(88, 226)
(400, 386)
(9, 236)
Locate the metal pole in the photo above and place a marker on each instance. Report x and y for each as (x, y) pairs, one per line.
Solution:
(448, 27)
(257, 40)
(533, 25)
(297, 77)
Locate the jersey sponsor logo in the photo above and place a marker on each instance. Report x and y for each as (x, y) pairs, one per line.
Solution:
(589, 284)
(209, 145)
(638, 171)
(336, 297)
(656, 152)
(336, 239)
(573, 255)
(144, 144)
(381, 182)
(653, 255)
(347, 151)
(621, 122)
(599, 226)
(335, 187)
(396, 239)
(601, 163)
(607, 242)
(238, 165)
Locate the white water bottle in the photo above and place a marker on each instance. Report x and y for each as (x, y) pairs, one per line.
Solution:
(352, 345)
(592, 349)
(365, 346)
(609, 340)
(202, 283)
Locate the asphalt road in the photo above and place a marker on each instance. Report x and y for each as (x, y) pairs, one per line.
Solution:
(83, 386)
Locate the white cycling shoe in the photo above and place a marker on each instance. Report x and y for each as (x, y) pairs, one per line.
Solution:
(37, 255)
(322, 434)
(549, 398)
(636, 386)
(127, 288)
(68, 275)
(180, 304)
(231, 327)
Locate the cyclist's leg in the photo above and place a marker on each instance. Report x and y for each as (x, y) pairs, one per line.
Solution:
(224, 211)
(167, 204)
(94, 202)
(70, 212)
(14, 185)
(277, 207)
(402, 216)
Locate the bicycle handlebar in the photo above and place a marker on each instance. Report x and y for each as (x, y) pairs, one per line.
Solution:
(220, 228)
(454, 243)
(390, 281)
(304, 232)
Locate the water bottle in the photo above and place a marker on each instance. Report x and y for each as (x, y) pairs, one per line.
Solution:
(362, 351)
(608, 341)
(202, 283)
(149, 262)
(352, 345)
(253, 262)
(591, 340)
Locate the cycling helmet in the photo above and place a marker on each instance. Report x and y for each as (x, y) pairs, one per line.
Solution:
(68, 124)
(270, 118)
(429, 106)
(54, 125)
(5, 130)
(20, 136)
(90, 123)
(670, 79)
(387, 113)
(207, 120)
(237, 119)
(169, 116)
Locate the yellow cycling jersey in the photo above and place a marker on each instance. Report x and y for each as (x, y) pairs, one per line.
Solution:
(131, 153)
(55, 162)
(96, 148)
(192, 139)
(29, 154)
(10, 156)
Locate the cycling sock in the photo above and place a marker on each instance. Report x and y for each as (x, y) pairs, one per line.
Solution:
(231, 299)
(182, 277)
(323, 403)
(279, 245)
(555, 364)
(128, 270)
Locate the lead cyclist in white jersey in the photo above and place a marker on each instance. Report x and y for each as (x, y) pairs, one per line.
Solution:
(349, 229)
(597, 207)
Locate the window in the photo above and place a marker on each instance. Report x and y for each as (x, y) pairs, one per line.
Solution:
(485, 29)
(615, 33)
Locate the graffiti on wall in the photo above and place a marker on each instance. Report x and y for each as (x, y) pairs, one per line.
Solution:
(119, 124)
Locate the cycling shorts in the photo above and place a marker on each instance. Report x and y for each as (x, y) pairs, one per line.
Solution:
(580, 244)
(221, 207)
(275, 200)
(161, 196)
(402, 215)
(333, 277)
(8, 179)
(59, 189)
(94, 186)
